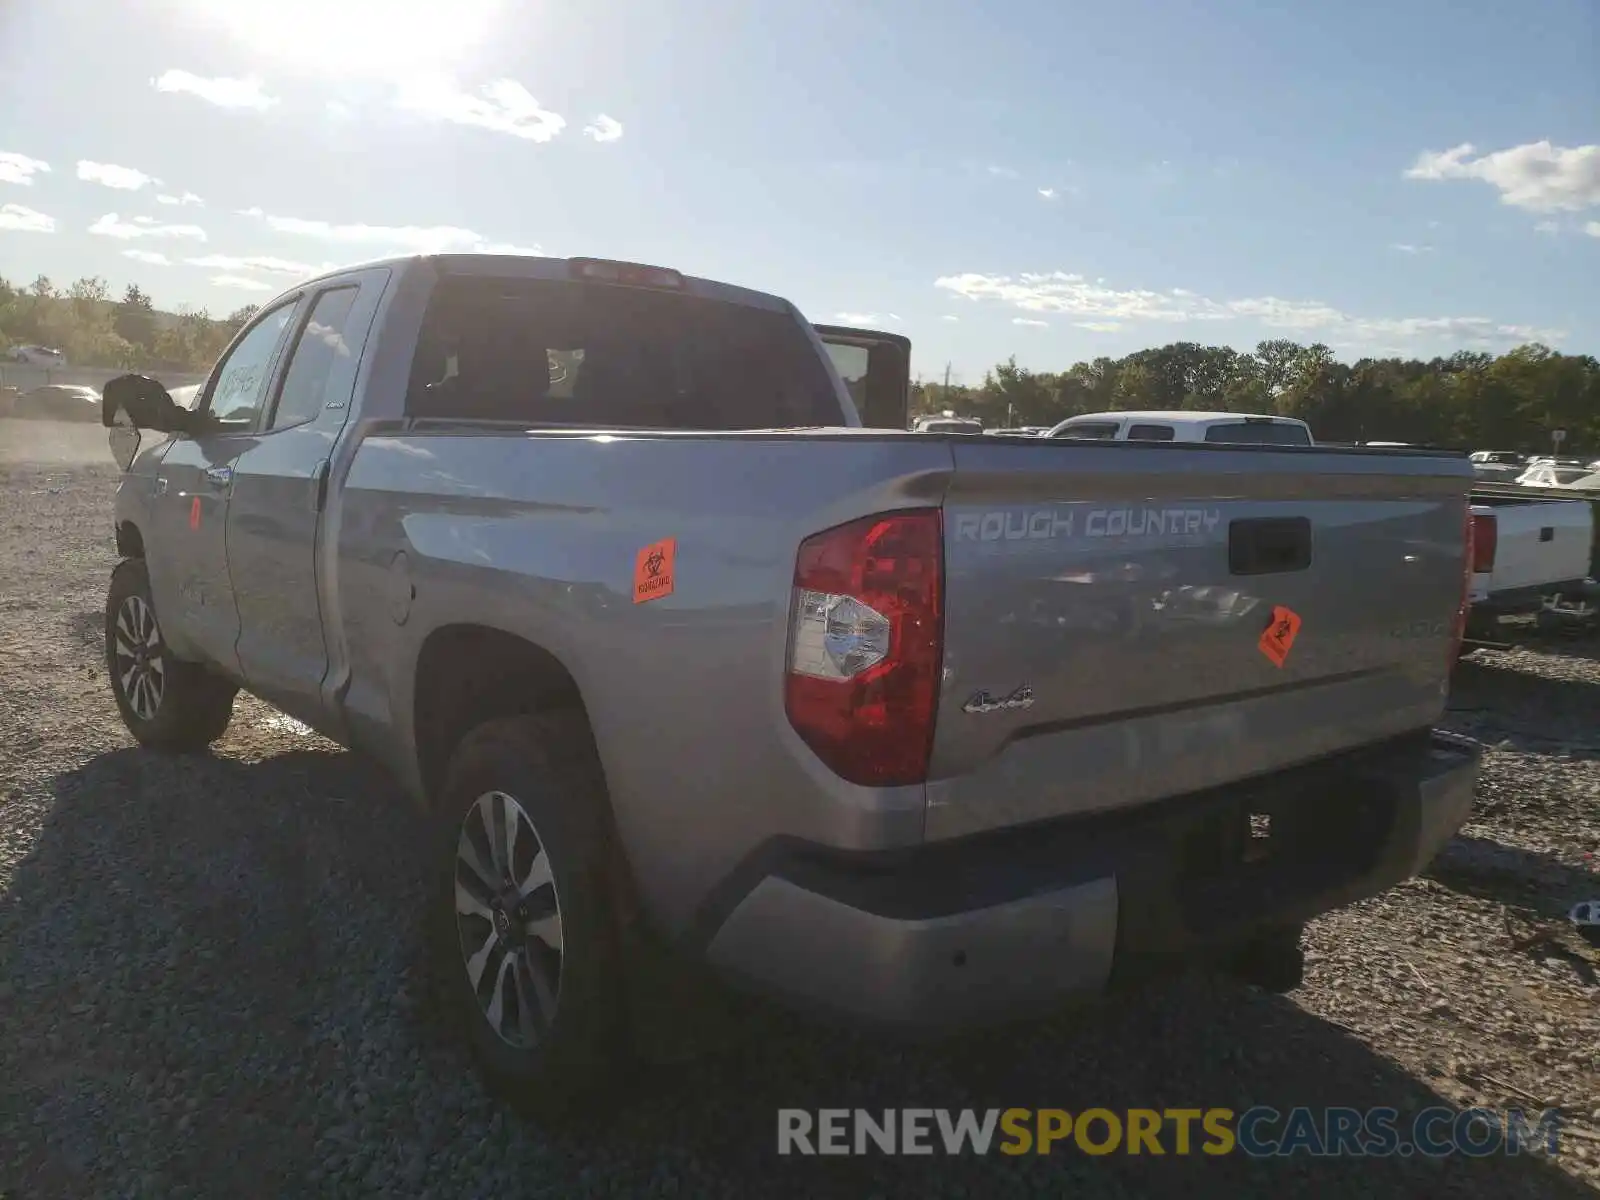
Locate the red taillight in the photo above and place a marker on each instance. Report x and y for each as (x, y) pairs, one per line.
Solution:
(1485, 541)
(866, 645)
(629, 274)
(1469, 563)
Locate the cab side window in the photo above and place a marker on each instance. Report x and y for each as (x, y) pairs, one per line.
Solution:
(321, 365)
(241, 377)
(1150, 433)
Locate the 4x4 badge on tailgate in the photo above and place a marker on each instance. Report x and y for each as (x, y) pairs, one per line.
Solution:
(982, 702)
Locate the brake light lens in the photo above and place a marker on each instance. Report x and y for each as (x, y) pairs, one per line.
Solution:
(866, 646)
(1485, 541)
(1468, 567)
(629, 274)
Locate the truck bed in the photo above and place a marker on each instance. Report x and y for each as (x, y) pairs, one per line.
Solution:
(1094, 576)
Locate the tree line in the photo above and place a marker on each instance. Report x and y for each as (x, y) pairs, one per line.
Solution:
(1470, 400)
(93, 330)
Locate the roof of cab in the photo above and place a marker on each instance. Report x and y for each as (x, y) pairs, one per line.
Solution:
(536, 266)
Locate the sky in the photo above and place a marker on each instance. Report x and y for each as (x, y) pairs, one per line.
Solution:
(1050, 179)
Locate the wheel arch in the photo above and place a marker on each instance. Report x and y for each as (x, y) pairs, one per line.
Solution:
(130, 540)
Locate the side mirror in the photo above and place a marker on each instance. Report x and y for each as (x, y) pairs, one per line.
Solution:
(130, 403)
(144, 404)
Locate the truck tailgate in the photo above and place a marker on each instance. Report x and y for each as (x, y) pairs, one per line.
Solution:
(1106, 606)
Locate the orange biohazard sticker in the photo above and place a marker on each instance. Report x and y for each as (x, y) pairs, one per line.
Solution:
(652, 570)
(1277, 639)
(194, 514)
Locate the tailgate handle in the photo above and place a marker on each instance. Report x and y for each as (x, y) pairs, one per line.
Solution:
(1269, 545)
(1547, 533)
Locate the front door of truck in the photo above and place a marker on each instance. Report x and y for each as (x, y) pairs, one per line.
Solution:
(279, 491)
(876, 367)
(187, 550)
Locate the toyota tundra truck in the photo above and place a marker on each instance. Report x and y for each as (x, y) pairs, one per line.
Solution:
(682, 658)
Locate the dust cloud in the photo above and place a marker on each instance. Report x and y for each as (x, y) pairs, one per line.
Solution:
(54, 443)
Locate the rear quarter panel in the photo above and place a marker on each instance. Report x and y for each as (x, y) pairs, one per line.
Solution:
(537, 536)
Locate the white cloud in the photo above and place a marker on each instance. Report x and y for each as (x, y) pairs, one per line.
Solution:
(948, 317)
(1592, 228)
(393, 239)
(503, 106)
(1100, 326)
(185, 199)
(1002, 172)
(125, 179)
(1410, 248)
(221, 91)
(19, 168)
(242, 282)
(111, 225)
(1049, 193)
(1060, 292)
(1030, 322)
(258, 262)
(603, 129)
(153, 257)
(1536, 176)
(856, 318)
(507, 248)
(17, 219)
(415, 239)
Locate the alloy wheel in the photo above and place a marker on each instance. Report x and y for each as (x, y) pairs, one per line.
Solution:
(508, 919)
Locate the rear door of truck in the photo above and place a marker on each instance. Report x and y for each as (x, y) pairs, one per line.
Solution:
(1126, 622)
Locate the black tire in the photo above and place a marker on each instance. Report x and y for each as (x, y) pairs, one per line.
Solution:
(189, 707)
(568, 1060)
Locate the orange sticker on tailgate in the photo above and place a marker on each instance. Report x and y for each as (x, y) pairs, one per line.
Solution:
(652, 570)
(1277, 639)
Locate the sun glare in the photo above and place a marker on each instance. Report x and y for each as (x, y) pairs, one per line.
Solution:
(354, 37)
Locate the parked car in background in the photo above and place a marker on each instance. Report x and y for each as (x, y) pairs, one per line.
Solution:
(1022, 431)
(58, 402)
(1531, 558)
(1184, 426)
(37, 356)
(1559, 473)
(1497, 464)
(949, 425)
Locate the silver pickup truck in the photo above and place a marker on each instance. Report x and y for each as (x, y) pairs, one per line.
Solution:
(602, 563)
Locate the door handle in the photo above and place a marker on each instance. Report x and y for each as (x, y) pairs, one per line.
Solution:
(219, 477)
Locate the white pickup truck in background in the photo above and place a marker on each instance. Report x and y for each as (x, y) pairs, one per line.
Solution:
(1531, 558)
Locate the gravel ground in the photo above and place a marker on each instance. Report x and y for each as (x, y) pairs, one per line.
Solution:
(209, 975)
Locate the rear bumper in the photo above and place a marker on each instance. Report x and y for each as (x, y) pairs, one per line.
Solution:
(1014, 924)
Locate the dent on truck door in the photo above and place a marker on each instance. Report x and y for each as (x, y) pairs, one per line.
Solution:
(186, 547)
(279, 491)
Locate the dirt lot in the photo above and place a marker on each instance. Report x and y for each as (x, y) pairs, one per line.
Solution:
(209, 978)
